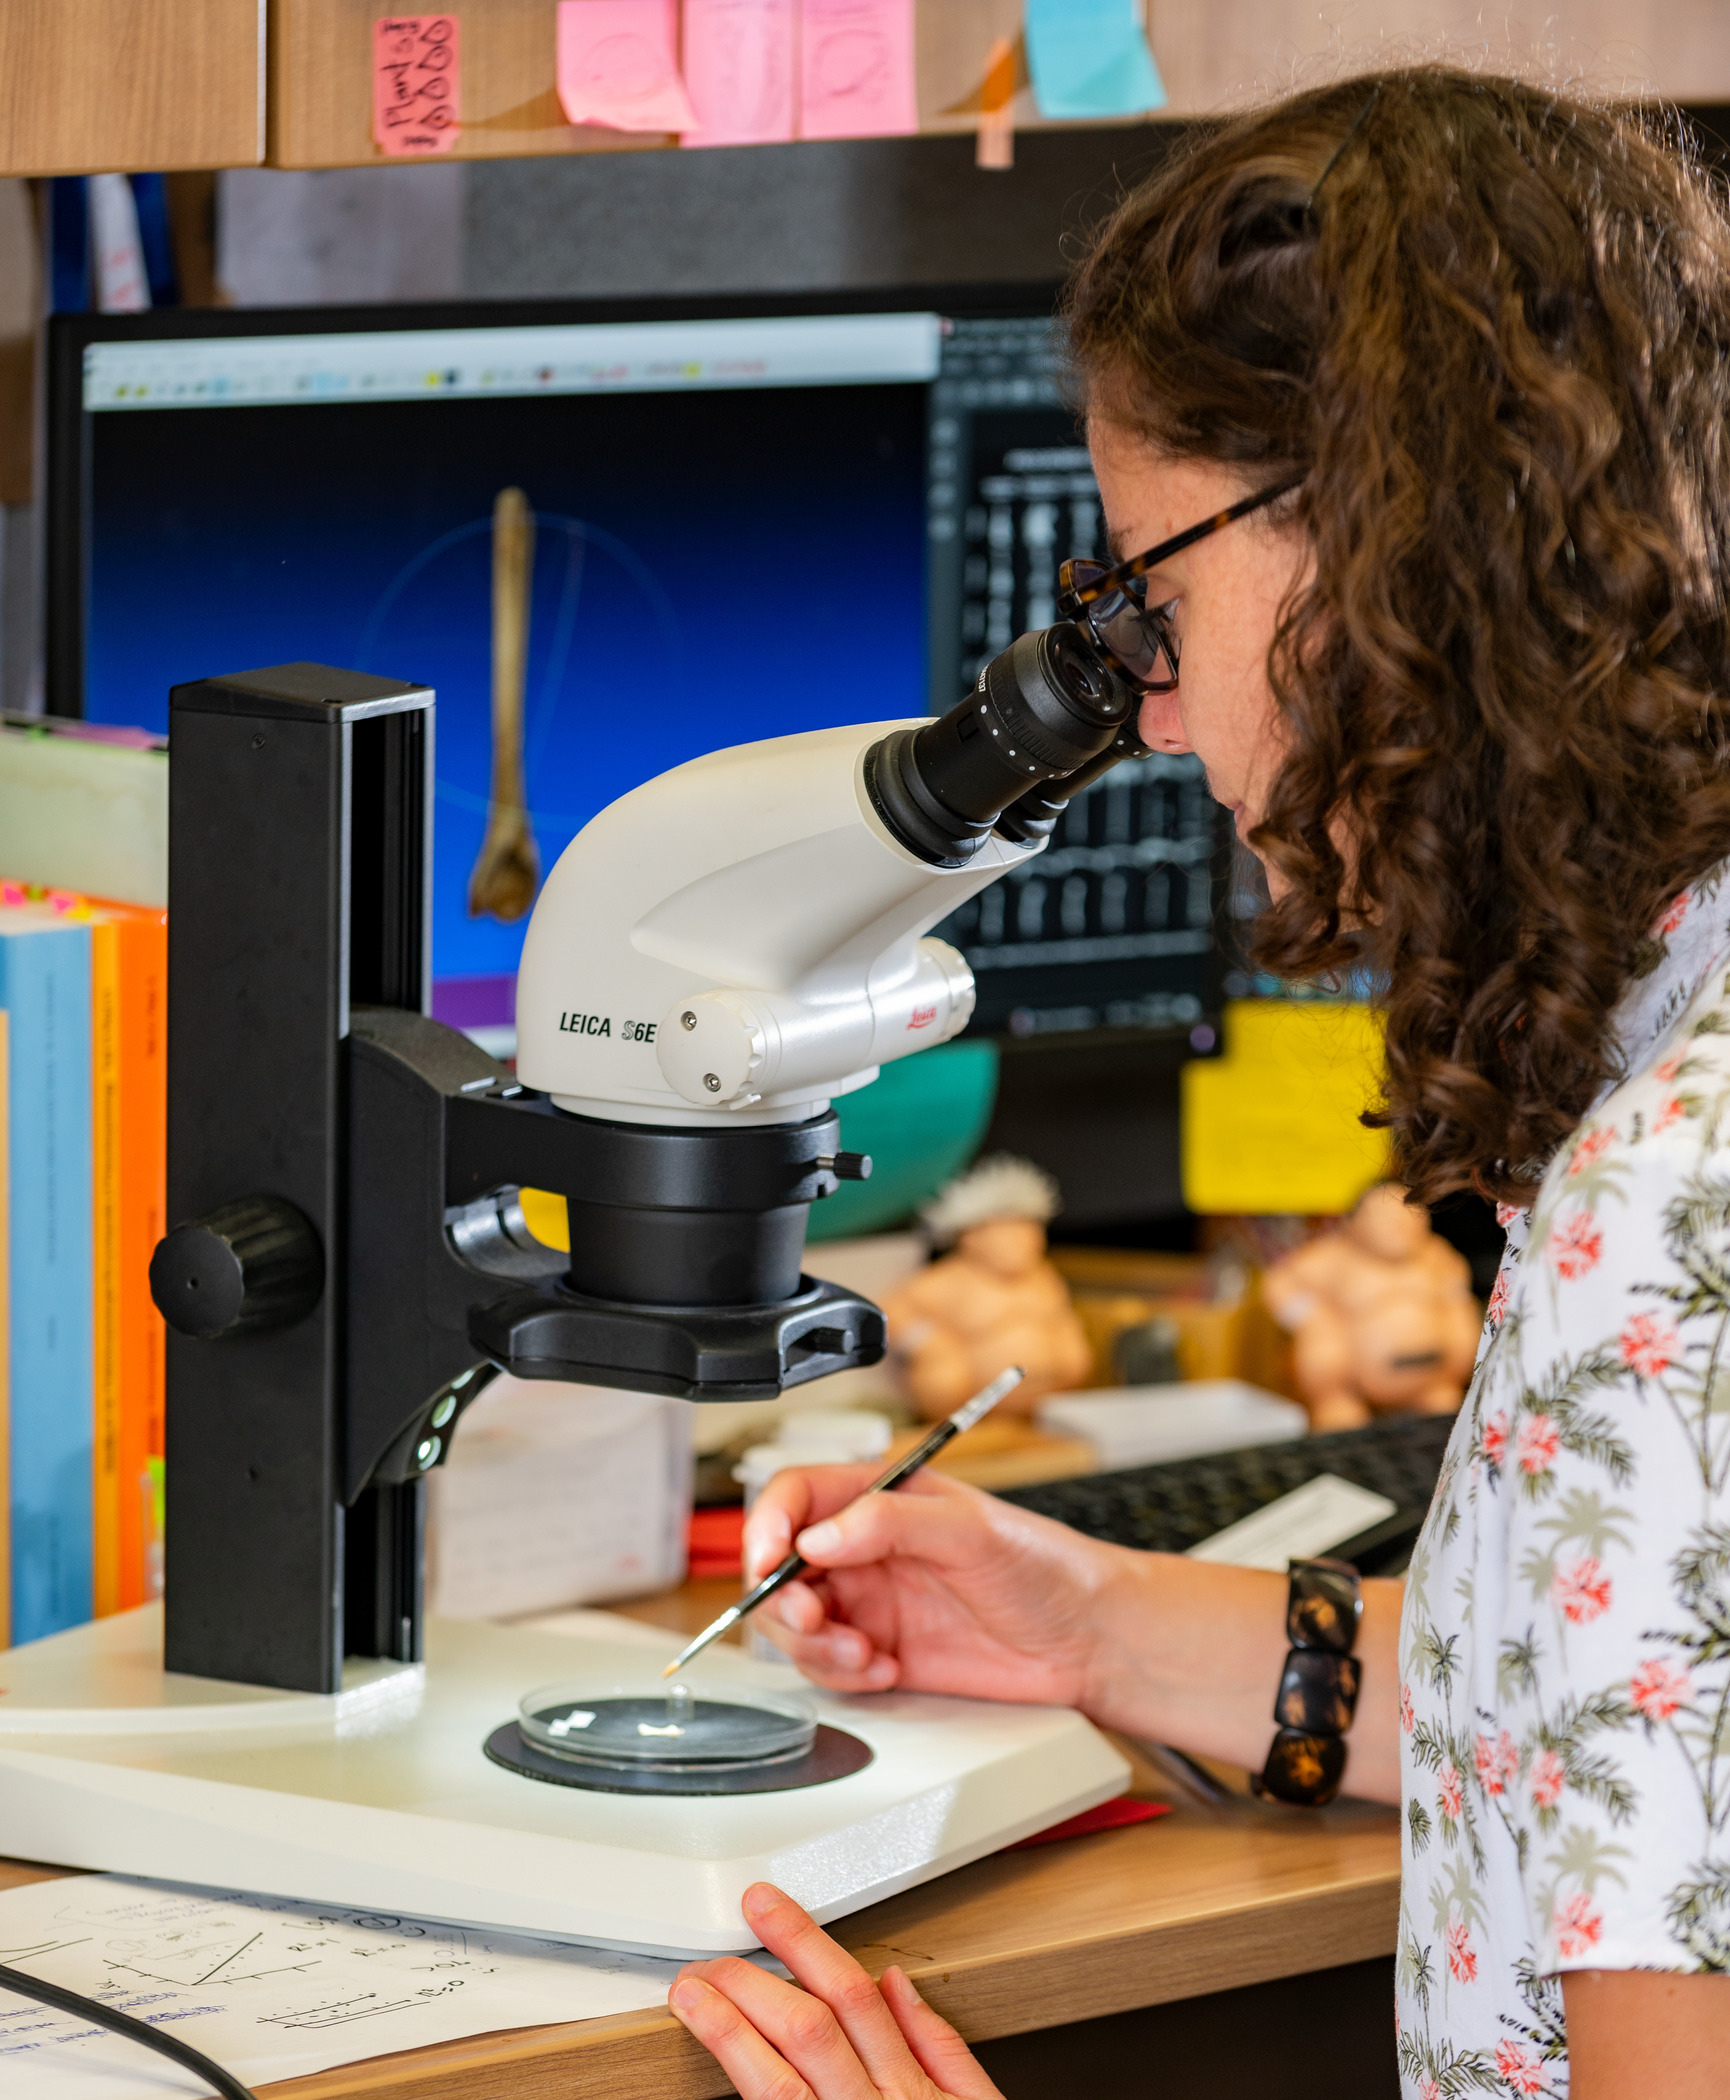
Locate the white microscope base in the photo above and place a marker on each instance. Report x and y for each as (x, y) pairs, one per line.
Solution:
(380, 1798)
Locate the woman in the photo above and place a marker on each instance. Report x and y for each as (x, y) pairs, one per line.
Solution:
(1462, 686)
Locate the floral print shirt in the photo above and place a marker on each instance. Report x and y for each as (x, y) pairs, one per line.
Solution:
(1565, 1642)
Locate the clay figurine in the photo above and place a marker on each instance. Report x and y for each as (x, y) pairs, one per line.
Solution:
(1381, 1315)
(993, 1301)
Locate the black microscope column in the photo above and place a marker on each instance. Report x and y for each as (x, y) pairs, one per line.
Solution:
(299, 841)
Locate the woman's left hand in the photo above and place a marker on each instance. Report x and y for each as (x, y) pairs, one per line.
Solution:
(840, 2037)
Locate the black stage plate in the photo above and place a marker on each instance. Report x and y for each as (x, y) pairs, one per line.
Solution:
(833, 1755)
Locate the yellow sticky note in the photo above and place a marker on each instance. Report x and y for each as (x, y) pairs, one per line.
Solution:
(1272, 1126)
(545, 1215)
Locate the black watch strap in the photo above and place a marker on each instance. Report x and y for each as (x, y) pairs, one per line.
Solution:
(1318, 1687)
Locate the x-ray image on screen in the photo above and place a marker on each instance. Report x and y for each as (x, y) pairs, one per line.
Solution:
(745, 523)
(706, 571)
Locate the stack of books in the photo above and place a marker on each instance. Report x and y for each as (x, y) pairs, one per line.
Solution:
(83, 1143)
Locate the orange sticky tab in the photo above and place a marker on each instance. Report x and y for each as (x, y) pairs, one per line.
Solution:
(996, 137)
(619, 65)
(416, 83)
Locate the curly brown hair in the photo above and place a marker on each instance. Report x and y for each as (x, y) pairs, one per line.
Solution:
(1496, 344)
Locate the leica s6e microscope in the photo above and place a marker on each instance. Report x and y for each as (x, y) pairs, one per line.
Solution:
(713, 961)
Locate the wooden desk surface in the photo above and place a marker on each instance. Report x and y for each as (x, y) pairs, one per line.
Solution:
(1200, 1900)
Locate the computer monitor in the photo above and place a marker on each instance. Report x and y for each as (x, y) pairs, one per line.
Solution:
(752, 517)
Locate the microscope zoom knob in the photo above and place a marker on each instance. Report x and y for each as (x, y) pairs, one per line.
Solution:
(251, 1265)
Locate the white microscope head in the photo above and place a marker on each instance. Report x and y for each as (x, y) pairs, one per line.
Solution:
(742, 940)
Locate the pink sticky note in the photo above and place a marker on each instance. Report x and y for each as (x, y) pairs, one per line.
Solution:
(416, 83)
(739, 71)
(619, 65)
(856, 77)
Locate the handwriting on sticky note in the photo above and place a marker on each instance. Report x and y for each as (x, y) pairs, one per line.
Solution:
(416, 83)
(1090, 58)
(739, 71)
(856, 75)
(619, 66)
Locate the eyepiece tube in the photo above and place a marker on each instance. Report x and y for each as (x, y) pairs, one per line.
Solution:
(1047, 706)
(1035, 815)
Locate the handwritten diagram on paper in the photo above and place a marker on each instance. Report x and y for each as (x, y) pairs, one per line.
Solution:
(270, 1989)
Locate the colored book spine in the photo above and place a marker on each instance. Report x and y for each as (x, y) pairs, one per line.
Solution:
(5, 1336)
(45, 983)
(129, 993)
(107, 1326)
(143, 1221)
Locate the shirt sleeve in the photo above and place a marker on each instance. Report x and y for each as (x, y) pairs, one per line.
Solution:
(1604, 1700)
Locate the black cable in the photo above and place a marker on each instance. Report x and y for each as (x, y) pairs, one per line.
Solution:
(167, 2045)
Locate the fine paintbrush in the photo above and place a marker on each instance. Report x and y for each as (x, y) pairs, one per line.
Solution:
(793, 1567)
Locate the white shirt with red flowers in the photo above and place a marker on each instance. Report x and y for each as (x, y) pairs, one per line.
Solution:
(1565, 1644)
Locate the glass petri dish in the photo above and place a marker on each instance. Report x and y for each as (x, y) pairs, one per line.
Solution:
(650, 1725)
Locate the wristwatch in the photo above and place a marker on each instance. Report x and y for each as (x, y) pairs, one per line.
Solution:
(1318, 1688)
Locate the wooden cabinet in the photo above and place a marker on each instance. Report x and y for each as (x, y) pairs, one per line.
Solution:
(87, 85)
(1224, 55)
(321, 80)
(94, 85)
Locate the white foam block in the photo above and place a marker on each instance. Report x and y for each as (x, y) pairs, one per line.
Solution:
(1146, 1425)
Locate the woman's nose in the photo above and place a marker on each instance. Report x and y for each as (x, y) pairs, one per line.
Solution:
(1161, 723)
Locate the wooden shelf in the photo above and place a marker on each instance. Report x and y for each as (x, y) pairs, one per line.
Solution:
(1222, 57)
(320, 81)
(88, 85)
(118, 85)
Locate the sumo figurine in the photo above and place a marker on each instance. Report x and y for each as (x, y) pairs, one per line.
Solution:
(1381, 1315)
(993, 1301)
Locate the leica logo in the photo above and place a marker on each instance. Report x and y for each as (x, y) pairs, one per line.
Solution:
(922, 1017)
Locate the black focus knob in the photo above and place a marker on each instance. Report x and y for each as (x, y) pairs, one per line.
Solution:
(846, 1166)
(250, 1265)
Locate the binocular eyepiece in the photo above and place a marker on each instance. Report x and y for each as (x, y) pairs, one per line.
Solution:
(1044, 721)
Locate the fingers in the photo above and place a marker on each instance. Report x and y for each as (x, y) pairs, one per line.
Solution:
(800, 1496)
(833, 1980)
(801, 2031)
(940, 2052)
(839, 2037)
(840, 1658)
(757, 2070)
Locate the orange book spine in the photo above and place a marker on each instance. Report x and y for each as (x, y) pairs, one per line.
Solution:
(143, 1204)
(132, 1165)
(105, 1133)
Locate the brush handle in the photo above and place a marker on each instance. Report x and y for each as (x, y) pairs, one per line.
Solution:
(909, 1462)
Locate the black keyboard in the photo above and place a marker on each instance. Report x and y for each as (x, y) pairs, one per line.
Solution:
(1169, 1508)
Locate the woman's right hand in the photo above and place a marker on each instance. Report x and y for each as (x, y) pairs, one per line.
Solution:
(935, 1588)
(939, 1588)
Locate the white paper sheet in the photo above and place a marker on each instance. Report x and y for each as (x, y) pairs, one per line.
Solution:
(270, 1989)
(1322, 1514)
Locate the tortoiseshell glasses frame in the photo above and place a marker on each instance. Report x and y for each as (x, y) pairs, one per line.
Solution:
(1135, 638)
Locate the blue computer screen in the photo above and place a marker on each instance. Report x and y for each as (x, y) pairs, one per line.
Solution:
(744, 526)
(737, 551)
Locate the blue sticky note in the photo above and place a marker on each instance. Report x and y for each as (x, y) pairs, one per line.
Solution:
(1089, 58)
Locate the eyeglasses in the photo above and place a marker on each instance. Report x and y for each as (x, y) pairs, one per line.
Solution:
(1135, 638)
